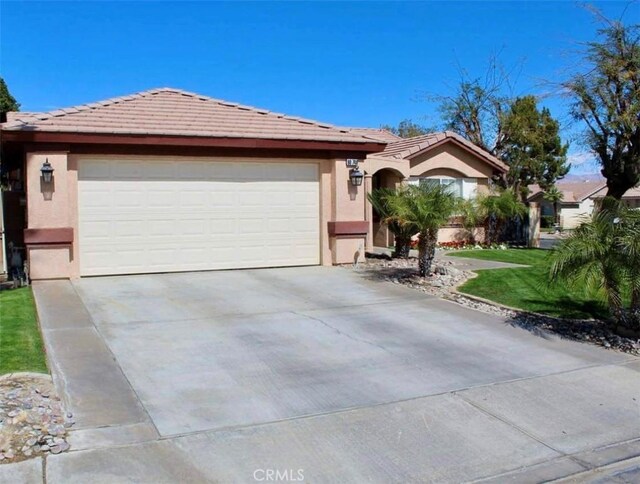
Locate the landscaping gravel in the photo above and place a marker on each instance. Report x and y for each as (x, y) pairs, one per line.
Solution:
(445, 278)
(32, 419)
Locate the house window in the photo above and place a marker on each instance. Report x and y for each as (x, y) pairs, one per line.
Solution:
(461, 187)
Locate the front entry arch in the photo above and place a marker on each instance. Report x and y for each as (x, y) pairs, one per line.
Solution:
(380, 235)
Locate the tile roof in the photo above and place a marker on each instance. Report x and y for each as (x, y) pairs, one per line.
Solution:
(410, 147)
(17, 115)
(573, 192)
(377, 134)
(631, 193)
(173, 112)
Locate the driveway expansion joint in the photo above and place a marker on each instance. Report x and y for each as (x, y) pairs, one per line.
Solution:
(507, 422)
(257, 387)
(115, 361)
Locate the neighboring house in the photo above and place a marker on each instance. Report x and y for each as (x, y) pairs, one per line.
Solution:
(631, 197)
(166, 180)
(577, 202)
(444, 158)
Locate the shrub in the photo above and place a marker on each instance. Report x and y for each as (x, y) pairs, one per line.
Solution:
(547, 221)
(604, 253)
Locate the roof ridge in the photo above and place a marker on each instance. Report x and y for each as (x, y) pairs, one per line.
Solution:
(368, 128)
(42, 116)
(419, 137)
(405, 147)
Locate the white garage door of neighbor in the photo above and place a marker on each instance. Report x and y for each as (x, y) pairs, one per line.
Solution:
(160, 215)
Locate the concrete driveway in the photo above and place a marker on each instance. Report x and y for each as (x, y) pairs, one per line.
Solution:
(320, 373)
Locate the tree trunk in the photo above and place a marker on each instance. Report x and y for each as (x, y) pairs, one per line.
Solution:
(634, 308)
(426, 252)
(614, 302)
(617, 189)
(402, 247)
(494, 226)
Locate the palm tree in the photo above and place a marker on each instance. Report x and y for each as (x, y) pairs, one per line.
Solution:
(424, 208)
(496, 209)
(630, 247)
(604, 253)
(402, 233)
(554, 196)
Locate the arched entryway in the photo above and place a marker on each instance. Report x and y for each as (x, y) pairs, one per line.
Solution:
(384, 178)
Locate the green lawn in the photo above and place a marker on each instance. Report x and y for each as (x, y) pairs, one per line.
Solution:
(528, 288)
(21, 347)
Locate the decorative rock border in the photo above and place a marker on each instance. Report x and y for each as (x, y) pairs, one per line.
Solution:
(447, 278)
(32, 419)
(584, 330)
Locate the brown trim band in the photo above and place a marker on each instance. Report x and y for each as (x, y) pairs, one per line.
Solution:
(345, 229)
(131, 139)
(57, 236)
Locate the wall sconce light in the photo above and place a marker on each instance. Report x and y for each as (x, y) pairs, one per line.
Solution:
(356, 177)
(47, 171)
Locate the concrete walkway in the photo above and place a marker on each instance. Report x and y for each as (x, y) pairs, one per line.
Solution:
(223, 376)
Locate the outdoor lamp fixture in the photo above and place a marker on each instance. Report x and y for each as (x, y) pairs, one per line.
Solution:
(47, 171)
(356, 177)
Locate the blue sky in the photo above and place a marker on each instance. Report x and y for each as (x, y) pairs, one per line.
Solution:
(358, 64)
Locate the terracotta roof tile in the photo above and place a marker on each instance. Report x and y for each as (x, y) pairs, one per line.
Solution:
(409, 147)
(631, 193)
(377, 134)
(573, 192)
(174, 112)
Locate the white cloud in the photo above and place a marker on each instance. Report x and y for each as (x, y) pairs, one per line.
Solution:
(583, 163)
(582, 158)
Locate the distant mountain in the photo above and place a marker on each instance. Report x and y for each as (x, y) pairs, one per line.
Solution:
(582, 177)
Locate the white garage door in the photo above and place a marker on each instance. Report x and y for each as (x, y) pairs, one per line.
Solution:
(161, 215)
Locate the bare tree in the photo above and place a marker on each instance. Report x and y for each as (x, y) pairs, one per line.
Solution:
(606, 98)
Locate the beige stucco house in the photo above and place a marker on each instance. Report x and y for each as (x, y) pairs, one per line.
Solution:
(446, 158)
(166, 180)
(631, 196)
(577, 201)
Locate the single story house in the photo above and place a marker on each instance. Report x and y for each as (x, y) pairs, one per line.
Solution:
(577, 201)
(445, 158)
(631, 196)
(166, 180)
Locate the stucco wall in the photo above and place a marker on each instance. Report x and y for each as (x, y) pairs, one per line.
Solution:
(48, 207)
(573, 215)
(326, 209)
(373, 164)
(43, 213)
(456, 234)
(348, 206)
(450, 157)
(49, 262)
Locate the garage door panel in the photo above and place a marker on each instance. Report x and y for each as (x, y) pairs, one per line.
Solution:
(166, 215)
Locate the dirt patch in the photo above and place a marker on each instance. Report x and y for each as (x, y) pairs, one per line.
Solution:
(32, 418)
